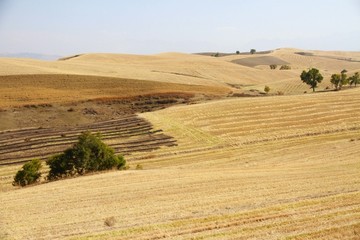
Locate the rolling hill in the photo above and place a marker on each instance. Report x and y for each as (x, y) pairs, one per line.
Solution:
(215, 166)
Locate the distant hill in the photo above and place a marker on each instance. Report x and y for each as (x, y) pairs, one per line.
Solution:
(31, 55)
(240, 72)
(220, 54)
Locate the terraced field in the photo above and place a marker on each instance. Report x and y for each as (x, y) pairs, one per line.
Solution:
(251, 168)
(126, 135)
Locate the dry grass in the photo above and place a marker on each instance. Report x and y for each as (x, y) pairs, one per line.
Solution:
(284, 167)
(288, 81)
(194, 69)
(266, 168)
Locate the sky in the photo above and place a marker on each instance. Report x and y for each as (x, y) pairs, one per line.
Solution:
(66, 27)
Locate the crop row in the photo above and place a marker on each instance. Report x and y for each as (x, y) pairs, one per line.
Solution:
(126, 135)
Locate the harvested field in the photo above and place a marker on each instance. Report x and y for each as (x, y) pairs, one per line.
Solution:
(276, 167)
(260, 168)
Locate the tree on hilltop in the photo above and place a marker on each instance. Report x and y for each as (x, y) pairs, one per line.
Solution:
(311, 77)
(253, 51)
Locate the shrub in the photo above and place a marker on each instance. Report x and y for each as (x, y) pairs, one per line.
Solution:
(89, 154)
(237, 52)
(285, 67)
(253, 51)
(273, 66)
(139, 167)
(267, 89)
(29, 174)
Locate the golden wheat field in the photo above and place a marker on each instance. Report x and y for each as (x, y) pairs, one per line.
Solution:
(274, 167)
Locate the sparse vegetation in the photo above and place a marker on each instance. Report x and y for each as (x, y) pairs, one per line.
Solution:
(273, 66)
(285, 67)
(89, 154)
(311, 77)
(29, 174)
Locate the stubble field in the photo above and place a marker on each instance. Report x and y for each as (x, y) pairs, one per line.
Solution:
(276, 167)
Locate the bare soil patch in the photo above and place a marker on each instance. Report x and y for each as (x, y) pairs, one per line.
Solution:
(263, 60)
(20, 90)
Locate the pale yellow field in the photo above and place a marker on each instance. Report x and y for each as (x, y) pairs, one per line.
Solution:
(328, 62)
(282, 167)
(196, 70)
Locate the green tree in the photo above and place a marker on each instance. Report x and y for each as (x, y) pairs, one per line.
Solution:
(344, 78)
(311, 77)
(253, 51)
(237, 52)
(355, 79)
(89, 154)
(339, 80)
(336, 81)
(29, 174)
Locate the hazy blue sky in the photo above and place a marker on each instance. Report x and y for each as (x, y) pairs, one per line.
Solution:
(67, 27)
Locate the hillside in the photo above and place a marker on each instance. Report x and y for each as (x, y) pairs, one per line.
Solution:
(239, 72)
(216, 164)
(328, 62)
(243, 168)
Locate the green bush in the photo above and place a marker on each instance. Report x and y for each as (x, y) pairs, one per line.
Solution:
(89, 154)
(29, 174)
